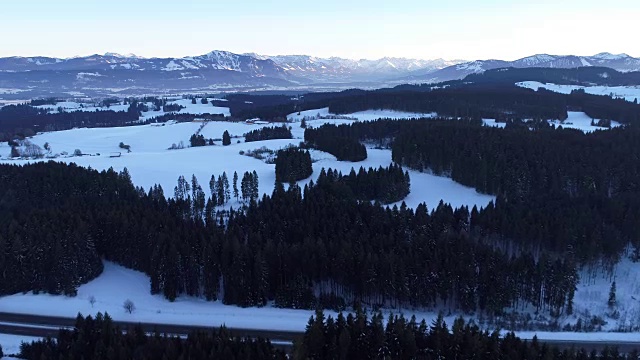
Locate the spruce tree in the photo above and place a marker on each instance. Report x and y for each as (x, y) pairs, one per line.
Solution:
(226, 138)
(612, 295)
(225, 184)
(235, 185)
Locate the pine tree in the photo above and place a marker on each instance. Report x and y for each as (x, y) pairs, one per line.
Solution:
(255, 193)
(214, 190)
(235, 185)
(225, 184)
(220, 191)
(226, 138)
(612, 295)
(244, 186)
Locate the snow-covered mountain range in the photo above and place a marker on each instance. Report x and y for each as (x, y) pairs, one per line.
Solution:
(114, 73)
(620, 62)
(288, 67)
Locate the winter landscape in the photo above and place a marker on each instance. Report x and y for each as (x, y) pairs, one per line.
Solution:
(359, 180)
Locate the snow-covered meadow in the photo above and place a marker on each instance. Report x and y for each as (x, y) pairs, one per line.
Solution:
(629, 93)
(150, 162)
(315, 114)
(189, 108)
(11, 344)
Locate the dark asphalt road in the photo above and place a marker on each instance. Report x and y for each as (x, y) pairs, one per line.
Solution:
(42, 326)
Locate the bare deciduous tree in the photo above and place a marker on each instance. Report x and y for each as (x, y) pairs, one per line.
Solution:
(129, 306)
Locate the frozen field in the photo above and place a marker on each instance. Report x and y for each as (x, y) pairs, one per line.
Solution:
(629, 93)
(150, 162)
(360, 115)
(11, 344)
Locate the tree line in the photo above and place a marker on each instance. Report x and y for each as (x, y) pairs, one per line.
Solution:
(268, 133)
(354, 336)
(386, 185)
(359, 336)
(99, 338)
(20, 121)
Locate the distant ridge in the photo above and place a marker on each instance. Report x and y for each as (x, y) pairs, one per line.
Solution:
(117, 74)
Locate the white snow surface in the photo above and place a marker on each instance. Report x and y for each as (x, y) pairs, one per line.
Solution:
(117, 284)
(11, 344)
(580, 121)
(629, 93)
(360, 115)
(493, 123)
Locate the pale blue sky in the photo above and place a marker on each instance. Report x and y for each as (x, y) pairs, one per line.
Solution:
(460, 29)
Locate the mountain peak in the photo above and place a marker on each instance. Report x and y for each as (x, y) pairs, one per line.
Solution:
(610, 56)
(125, 56)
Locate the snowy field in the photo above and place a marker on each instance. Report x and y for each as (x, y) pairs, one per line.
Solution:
(360, 115)
(580, 121)
(190, 108)
(629, 93)
(150, 162)
(11, 344)
(575, 120)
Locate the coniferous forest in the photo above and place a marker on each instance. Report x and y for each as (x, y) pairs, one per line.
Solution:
(361, 337)
(338, 144)
(100, 339)
(399, 256)
(268, 133)
(354, 336)
(292, 165)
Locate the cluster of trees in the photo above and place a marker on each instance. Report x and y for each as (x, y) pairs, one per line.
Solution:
(279, 248)
(99, 338)
(332, 139)
(359, 337)
(249, 186)
(122, 146)
(47, 101)
(172, 107)
(220, 189)
(198, 140)
(386, 185)
(245, 106)
(269, 133)
(293, 164)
